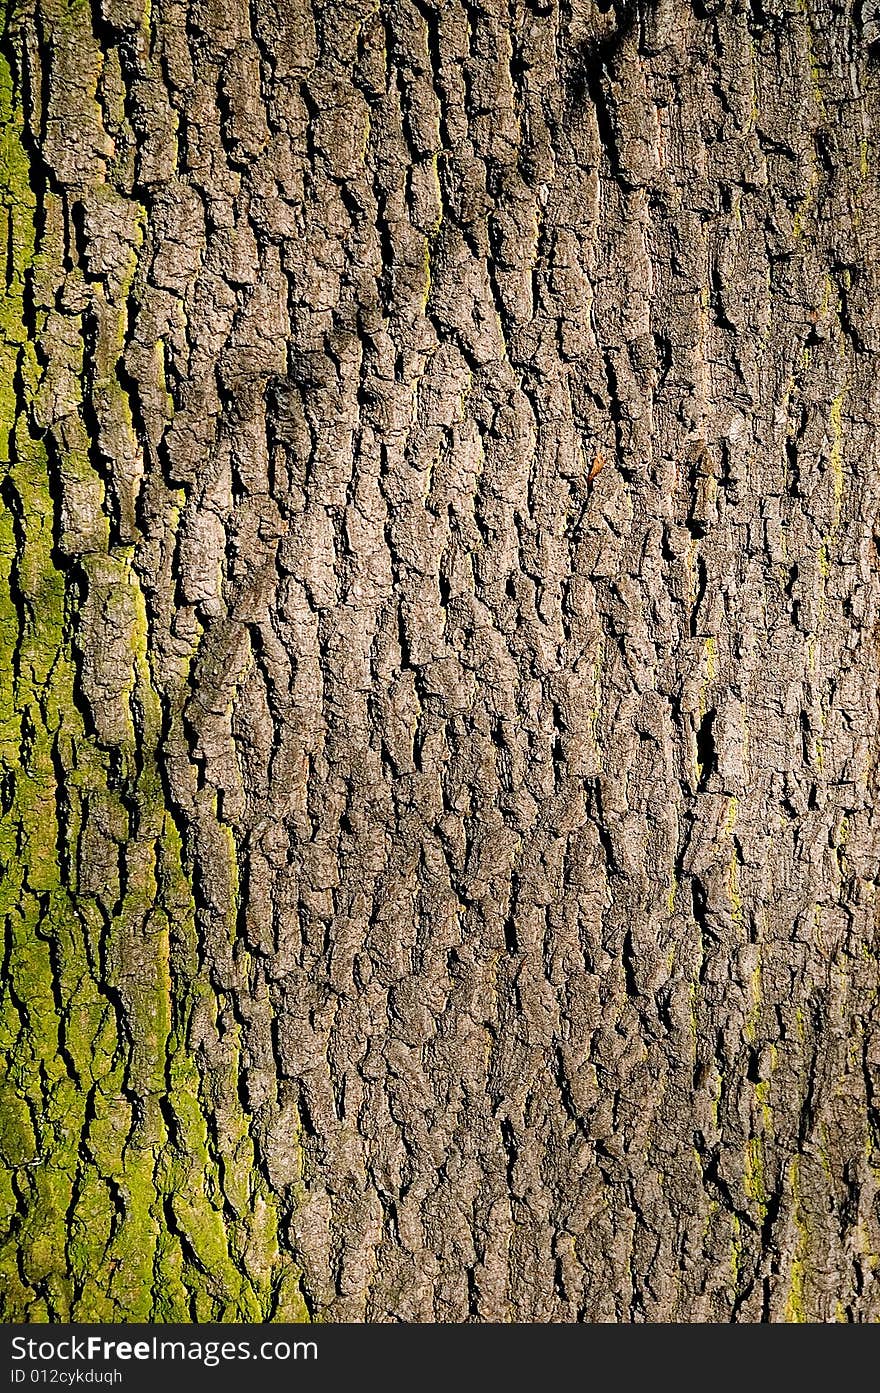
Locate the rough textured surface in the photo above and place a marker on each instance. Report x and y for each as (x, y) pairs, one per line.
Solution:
(440, 647)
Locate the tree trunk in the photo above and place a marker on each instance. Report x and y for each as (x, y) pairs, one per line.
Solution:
(439, 660)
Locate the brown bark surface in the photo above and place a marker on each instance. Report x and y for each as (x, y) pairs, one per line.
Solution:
(456, 425)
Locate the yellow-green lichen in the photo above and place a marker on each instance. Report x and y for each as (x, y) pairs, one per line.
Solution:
(795, 1308)
(104, 1130)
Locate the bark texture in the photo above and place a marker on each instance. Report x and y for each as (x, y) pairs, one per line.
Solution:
(439, 710)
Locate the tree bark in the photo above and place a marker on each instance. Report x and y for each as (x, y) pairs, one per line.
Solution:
(439, 660)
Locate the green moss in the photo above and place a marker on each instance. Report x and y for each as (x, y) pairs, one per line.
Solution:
(762, 1094)
(18, 1144)
(103, 967)
(795, 1310)
(794, 1306)
(836, 458)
